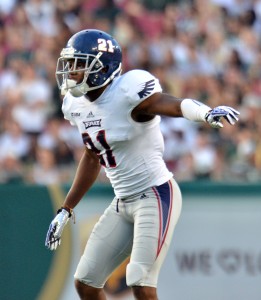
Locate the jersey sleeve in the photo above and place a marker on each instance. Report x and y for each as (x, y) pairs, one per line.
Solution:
(140, 85)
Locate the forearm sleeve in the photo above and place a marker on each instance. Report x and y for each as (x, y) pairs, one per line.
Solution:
(194, 110)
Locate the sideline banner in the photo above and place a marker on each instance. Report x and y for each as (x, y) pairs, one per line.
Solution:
(216, 251)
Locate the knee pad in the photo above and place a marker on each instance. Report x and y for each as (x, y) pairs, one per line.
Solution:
(134, 274)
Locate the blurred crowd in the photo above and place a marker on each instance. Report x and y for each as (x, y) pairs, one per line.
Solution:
(208, 50)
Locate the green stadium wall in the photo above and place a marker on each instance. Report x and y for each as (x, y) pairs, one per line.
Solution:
(31, 272)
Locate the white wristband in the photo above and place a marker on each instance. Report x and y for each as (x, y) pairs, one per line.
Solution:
(194, 110)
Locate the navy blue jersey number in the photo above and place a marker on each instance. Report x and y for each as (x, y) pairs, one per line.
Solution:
(101, 138)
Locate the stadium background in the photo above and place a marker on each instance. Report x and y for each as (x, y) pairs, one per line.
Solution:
(206, 49)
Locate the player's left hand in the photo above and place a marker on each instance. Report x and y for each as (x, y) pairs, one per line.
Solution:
(215, 115)
(53, 237)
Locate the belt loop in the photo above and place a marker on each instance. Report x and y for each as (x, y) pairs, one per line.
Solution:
(117, 205)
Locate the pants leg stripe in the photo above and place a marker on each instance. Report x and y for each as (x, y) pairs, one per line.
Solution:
(164, 194)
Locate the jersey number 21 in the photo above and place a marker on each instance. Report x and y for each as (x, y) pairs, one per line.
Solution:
(108, 152)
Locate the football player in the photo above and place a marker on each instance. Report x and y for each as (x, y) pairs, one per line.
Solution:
(118, 118)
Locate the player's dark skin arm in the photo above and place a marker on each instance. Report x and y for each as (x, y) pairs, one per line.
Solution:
(87, 172)
(157, 104)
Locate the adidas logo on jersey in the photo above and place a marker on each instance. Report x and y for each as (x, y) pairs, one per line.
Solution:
(90, 115)
(143, 196)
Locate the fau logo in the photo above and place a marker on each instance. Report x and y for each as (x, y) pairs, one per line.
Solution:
(94, 123)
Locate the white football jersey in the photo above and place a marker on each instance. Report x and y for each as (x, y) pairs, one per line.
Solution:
(131, 152)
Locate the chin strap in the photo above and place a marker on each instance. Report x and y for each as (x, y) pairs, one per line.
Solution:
(76, 90)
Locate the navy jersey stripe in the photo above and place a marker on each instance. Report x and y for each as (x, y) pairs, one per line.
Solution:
(164, 196)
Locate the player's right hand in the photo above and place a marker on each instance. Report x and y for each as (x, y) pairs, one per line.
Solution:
(53, 237)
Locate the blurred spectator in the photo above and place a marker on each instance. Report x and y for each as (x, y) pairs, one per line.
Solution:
(179, 135)
(107, 9)
(13, 141)
(11, 170)
(6, 6)
(45, 170)
(34, 108)
(52, 138)
(204, 157)
(41, 15)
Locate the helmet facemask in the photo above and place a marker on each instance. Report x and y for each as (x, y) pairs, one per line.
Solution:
(90, 65)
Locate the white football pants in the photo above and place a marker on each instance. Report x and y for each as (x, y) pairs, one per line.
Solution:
(140, 226)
